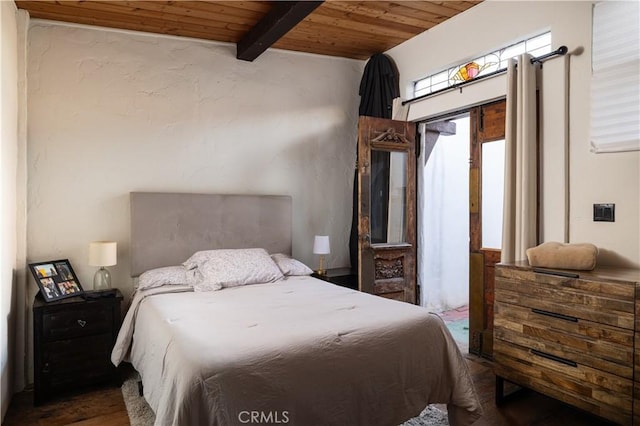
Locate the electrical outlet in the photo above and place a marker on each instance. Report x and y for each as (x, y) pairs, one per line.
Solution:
(605, 212)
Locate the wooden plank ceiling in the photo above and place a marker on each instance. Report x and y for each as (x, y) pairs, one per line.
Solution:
(350, 29)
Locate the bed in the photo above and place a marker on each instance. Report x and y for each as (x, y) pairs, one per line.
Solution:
(297, 351)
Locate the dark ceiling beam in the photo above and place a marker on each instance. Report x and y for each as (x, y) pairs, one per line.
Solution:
(277, 22)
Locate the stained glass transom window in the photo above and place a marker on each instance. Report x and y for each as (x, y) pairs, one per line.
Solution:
(483, 65)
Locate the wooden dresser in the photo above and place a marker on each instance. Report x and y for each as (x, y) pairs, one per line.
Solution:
(571, 335)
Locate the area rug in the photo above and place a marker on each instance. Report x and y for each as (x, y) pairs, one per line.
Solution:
(140, 414)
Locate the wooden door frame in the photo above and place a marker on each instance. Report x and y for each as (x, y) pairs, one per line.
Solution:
(481, 259)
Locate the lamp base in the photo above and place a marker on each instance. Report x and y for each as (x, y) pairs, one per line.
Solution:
(321, 270)
(102, 279)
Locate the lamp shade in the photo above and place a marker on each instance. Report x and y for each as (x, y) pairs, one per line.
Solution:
(103, 253)
(321, 244)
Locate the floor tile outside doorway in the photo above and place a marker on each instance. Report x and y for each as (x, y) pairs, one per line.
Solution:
(457, 321)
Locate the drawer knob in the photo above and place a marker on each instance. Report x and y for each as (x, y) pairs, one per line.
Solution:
(82, 323)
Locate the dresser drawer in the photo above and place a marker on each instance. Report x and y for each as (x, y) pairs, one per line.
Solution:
(602, 393)
(600, 346)
(82, 320)
(608, 303)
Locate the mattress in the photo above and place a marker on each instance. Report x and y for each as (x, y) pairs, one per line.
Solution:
(301, 350)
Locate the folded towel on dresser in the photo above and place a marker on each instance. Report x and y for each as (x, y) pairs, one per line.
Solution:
(563, 256)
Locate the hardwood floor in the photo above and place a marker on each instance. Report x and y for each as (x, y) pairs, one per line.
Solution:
(105, 407)
(101, 406)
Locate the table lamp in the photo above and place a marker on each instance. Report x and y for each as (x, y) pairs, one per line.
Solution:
(102, 253)
(321, 247)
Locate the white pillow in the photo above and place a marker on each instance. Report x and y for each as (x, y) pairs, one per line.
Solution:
(169, 275)
(290, 266)
(217, 269)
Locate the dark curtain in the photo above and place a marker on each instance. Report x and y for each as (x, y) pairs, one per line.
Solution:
(378, 88)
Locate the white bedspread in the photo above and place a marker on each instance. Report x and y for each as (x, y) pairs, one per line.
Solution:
(300, 350)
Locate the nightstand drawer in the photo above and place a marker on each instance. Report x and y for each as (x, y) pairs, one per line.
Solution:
(74, 322)
(69, 360)
(604, 302)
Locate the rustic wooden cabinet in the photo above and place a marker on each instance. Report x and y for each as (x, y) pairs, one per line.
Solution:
(570, 335)
(73, 339)
(387, 208)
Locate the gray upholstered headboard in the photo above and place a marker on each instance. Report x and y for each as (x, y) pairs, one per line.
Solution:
(167, 228)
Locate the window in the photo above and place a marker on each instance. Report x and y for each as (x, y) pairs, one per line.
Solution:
(615, 80)
(483, 65)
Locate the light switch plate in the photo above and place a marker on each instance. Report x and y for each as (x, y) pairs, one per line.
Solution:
(604, 212)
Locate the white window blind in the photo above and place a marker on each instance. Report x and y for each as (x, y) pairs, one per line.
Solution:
(615, 82)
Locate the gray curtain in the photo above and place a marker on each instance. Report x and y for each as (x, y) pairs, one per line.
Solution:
(519, 228)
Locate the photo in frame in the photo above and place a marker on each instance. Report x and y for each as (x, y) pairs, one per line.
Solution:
(56, 279)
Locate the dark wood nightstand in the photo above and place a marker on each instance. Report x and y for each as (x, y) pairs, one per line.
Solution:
(73, 339)
(344, 277)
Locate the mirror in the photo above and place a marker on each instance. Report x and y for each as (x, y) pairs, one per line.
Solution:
(388, 197)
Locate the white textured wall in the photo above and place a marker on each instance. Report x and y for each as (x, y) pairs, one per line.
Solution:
(8, 196)
(593, 178)
(114, 112)
(111, 113)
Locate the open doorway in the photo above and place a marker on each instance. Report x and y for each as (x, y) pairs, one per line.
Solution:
(443, 228)
(460, 191)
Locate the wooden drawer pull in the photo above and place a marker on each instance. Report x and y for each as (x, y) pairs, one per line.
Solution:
(554, 315)
(82, 323)
(554, 358)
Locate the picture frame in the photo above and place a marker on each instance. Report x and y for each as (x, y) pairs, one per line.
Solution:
(56, 279)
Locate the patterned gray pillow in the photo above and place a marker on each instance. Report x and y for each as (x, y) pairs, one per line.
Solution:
(290, 266)
(170, 275)
(218, 269)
